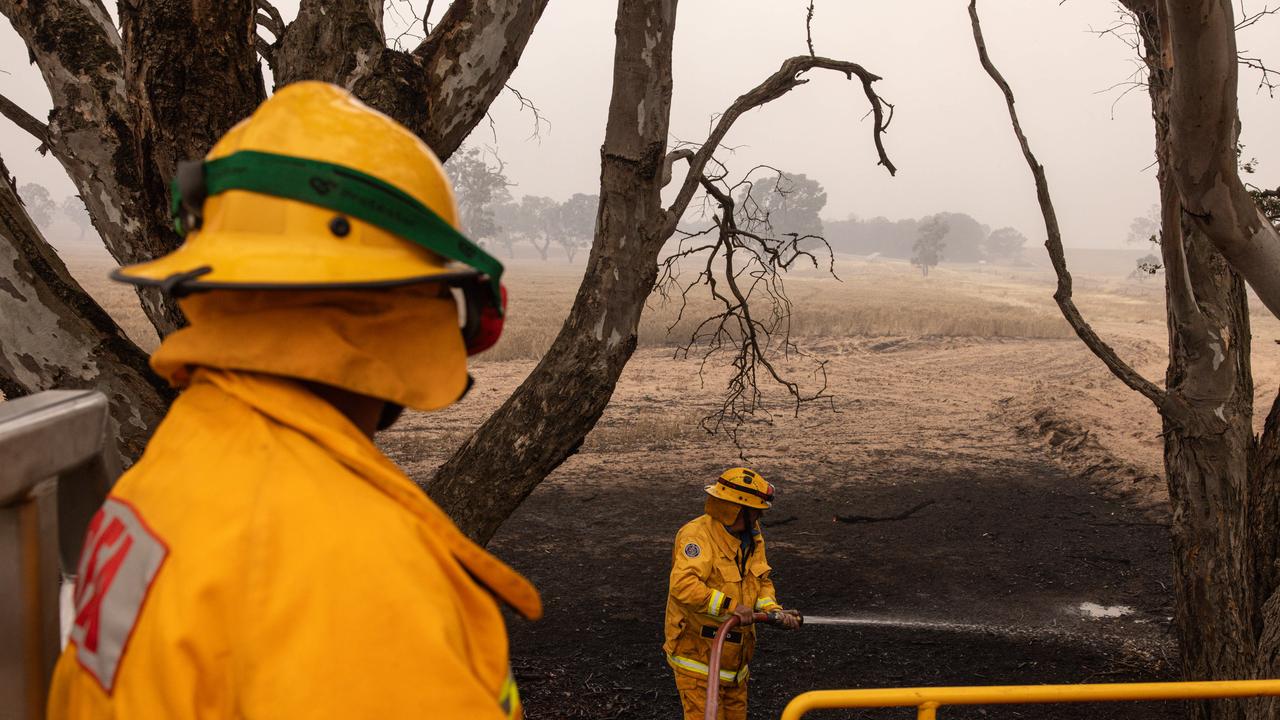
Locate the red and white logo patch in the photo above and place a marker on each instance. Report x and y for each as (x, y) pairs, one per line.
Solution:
(120, 560)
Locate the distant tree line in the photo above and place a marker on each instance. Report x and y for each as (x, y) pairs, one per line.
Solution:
(778, 203)
(490, 215)
(791, 204)
(966, 239)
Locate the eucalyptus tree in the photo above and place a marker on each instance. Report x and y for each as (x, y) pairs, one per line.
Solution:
(133, 97)
(1224, 481)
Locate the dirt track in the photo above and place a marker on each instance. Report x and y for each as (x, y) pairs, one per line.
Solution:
(1028, 517)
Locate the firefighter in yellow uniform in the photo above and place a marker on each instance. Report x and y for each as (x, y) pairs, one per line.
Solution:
(719, 569)
(264, 559)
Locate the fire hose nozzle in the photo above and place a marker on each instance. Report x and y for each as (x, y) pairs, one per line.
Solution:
(774, 617)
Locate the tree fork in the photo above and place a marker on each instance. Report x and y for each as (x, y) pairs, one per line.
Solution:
(547, 418)
(1203, 130)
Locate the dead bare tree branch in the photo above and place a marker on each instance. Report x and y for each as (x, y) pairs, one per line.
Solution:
(1248, 19)
(1053, 241)
(538, 118)
(808, 28)
(669, 162)
(775, 86)
(752, 260)
(1267, 78)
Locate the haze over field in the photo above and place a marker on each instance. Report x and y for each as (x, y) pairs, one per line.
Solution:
(949, 136)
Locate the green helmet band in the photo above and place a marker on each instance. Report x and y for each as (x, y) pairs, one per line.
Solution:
(335, 187)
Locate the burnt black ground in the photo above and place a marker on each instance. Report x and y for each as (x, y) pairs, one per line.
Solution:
(1009, 543)
(1026, 521)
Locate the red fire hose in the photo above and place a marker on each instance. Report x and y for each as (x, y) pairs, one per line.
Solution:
(717, 647)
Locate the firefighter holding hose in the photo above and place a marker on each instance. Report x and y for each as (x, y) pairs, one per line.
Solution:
(263, 559)
(719, 570)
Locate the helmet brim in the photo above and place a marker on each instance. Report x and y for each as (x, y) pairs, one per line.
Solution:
(193, 267)
(717, 490)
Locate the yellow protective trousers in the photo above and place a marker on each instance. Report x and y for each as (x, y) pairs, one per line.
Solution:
(693, 699)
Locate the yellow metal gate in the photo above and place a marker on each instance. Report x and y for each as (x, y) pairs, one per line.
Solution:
(928, 700)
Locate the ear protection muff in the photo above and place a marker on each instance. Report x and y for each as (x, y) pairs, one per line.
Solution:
(188, 193)
(484, 320)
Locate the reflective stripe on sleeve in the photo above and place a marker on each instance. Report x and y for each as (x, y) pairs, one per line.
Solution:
(729, 676)
(765, 603)
(509, 698)
(714, 604)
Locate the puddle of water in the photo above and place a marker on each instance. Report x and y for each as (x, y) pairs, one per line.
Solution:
(1094, 610)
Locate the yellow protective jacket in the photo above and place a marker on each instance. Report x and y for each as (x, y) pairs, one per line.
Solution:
(709, 577)
(264, 560)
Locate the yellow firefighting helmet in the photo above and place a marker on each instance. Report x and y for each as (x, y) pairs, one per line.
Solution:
(742, 487)
(317, 191)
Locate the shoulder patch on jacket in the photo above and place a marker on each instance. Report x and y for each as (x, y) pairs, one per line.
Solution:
(691, 550)
(119, 562)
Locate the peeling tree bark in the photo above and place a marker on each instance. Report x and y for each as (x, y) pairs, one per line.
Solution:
(441, 90)
(125, 110)
(52, 334)
(78, 52)
(1203, 129)
(1222, 480)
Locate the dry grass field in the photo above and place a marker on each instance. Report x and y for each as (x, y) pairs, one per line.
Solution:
(884, 299)
(873, 306)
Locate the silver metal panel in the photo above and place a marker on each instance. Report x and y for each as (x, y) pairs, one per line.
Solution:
(54, 475)
(46, 434)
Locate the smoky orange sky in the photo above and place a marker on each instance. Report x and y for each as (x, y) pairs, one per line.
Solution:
(950, 136)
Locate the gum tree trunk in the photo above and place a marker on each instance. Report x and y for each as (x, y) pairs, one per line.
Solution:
(546, 419)
(441, 90)
(126, 109)
(1222, 479)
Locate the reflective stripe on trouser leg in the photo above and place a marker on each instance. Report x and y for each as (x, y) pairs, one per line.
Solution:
(730, 676)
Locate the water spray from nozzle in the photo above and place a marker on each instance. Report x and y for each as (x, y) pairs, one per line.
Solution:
(902, 622)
